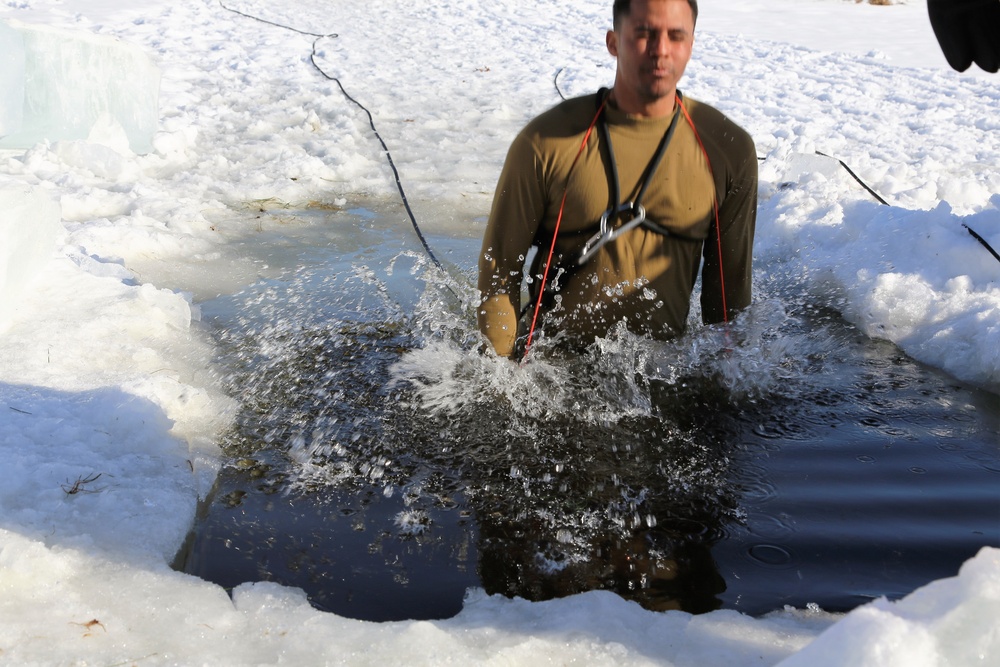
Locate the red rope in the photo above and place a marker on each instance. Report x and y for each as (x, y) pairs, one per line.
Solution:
(562, 207)
(555, 232)
(715, 209)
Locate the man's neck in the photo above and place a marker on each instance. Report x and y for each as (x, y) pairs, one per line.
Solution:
(658, 108)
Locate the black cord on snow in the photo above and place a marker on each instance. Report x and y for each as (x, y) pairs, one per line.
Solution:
(371, 120)
(388, 157)
(555, 81)
(971, 231)
(982, 240)
(272, 23)
(851, 172)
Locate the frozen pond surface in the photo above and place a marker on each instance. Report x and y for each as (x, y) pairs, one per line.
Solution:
(384, 466)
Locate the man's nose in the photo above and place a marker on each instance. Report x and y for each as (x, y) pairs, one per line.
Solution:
(659, 44)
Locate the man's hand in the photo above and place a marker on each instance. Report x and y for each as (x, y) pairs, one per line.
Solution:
(968, 31)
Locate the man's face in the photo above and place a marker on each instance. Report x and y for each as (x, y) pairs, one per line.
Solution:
(653, 45)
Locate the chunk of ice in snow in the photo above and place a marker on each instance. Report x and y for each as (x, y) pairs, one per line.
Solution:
(30, 222)
(11, 79)
(75, 85)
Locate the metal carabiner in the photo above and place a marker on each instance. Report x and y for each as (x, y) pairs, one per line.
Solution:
(595, 242)
(606, 233)
(638, 217)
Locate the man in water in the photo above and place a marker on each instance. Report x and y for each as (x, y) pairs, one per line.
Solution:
(968, 31)
(674, 179)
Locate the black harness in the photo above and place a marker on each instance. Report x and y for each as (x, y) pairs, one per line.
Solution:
(604, 231)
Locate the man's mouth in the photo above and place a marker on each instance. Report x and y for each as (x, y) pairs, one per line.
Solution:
(658, 71)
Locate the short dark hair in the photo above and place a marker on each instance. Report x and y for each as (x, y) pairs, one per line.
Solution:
(622, 7)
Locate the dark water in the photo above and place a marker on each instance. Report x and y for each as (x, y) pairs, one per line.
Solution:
(383, 466)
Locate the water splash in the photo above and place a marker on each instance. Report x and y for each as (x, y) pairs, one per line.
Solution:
(609, 464)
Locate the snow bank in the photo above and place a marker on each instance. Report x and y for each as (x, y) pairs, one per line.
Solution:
(75, 85)
(915, 277)
(948, 622)
(89, 610)
(11, 79)
(29, 225)
(94, 608)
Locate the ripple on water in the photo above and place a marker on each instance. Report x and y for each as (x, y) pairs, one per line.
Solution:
(755, 484)
(897, 433)
(984, 460)
(770, 556)
(824, 398)
(780, 427)
(824, 418)
(769, 526)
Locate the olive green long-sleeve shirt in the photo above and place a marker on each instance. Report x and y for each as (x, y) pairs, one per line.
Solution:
(643, 277)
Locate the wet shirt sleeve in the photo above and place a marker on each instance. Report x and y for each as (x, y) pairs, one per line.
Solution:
(735, 173)
(518, 208)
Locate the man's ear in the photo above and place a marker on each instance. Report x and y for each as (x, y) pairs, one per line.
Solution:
(612, 41)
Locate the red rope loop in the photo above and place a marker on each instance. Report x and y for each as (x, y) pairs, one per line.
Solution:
(555, 232)
(562, 207)
(715, 210)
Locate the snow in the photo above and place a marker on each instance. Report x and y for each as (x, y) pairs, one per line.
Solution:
(112, 408)
(28, 233)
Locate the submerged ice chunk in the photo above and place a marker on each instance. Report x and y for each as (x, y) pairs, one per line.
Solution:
(75, 85)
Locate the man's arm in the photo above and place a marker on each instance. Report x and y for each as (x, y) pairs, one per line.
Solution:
(968, 31)
(737, 219)
(518, 208)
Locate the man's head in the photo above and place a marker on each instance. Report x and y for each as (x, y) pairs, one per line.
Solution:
(622, 7)
(652, 40)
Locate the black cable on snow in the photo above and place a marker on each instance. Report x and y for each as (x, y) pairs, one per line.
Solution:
(388, 157)
(971, 231)
(272, 23)
(851, 172)
(555, 81)
(371, 120)
(982, 241)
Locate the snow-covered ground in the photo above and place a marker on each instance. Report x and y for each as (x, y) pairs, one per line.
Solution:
(110, 406)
